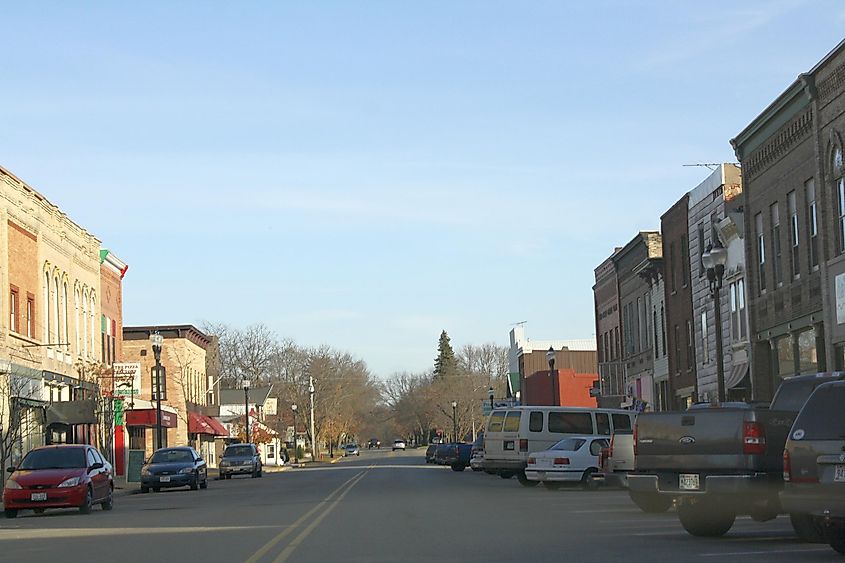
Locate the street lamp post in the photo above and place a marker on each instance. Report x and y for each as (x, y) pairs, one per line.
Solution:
(714, 259)
(313, 437)
(490, 394)
(246, 408)
(550, 356)
(156, 340)
(455, 420)
(293, 407)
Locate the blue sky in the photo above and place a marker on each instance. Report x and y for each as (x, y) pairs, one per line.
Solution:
(365, 174)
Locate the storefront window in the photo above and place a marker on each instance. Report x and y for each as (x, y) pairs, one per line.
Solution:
(807, 360)
(786, 356)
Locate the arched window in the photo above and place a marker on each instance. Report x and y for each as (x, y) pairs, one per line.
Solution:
(76, 326)
(84, 323)
(47, 308)
(93, 326)
(839, 189)
(57, 307)
(66, 337)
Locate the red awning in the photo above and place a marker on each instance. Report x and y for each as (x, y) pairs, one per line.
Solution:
(147, 417)
(201, 424)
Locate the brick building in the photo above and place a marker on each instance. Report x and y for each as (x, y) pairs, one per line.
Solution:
(608, 329)
(793, 194)
(680, 342)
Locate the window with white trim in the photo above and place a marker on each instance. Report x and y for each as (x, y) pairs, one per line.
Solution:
(761, 252)
(812, 222)
(794, 239)
(705, 352)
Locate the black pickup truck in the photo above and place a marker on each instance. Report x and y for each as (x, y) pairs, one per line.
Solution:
(718, 461)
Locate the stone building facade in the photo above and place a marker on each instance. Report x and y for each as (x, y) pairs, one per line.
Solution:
(793, 194)
(608, 330)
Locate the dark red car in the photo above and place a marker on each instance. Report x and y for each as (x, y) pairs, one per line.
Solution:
(62, 476)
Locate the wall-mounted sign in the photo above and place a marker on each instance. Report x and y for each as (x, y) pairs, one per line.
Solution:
(127, 379)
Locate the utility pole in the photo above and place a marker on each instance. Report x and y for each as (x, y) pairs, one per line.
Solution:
(313, 436)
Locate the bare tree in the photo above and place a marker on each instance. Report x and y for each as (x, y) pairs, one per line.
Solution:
(12, 387)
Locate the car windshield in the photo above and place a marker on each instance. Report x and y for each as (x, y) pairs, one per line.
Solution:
(569, 444)
(238, 451)
(54, 458)
(171, 456)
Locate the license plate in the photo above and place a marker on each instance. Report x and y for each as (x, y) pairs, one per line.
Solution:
(688, 482)
(164, 479)
(38, 496)
(541, 475)
(839, 473)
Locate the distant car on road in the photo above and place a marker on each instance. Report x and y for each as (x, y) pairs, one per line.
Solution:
(351, 449)
(398, 445)
(174, 467)
(240, 459)
(61, 476)
(374, 443)
(572, 460)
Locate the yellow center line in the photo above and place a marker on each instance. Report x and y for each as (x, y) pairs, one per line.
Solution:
(284, 533)
(283, 556)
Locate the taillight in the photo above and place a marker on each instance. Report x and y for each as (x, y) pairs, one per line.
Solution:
(753, 438)
(523, 445)
(636, 438)
(531, 461)
(610, 449)
(561, 461)
(787, 466)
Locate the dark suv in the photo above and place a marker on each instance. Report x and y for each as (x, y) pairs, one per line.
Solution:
(814, 465)
(240, 459)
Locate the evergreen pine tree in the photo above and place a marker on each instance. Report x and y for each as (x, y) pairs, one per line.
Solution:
(445, 364)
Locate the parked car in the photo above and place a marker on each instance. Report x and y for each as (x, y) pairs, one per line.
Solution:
(440, 452)
(240, 459)
(514, 431)
(398, 445)
(617, 460)
(351, 449)
(61, 476)
(814, 467)
(476, 460)
(571, 460)
(429, 453)
(718, 461)
(174, 467)
(456, 455)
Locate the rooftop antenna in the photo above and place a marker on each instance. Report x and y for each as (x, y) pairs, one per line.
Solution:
(708, 165)
(520, 323)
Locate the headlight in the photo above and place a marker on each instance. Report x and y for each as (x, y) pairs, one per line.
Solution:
(12, 484)
(72, 482)
(145, 471)
(247, 462)
(187, 470)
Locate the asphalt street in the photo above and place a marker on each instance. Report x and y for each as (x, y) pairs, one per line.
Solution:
(384, 506)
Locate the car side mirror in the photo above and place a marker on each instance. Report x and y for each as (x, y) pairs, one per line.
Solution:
(199, 459)
(96, 465)
(10, 469)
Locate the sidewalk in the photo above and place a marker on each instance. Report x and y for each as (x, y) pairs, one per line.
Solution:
(122, 487)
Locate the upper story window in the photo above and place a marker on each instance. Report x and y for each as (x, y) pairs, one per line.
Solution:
(13, 310)
(794, 239)
(761, 252)
(47, 306)
(839, 185)
(684, 261)
(737, 297)
(673, 269)
(812, 222)
(774, 213)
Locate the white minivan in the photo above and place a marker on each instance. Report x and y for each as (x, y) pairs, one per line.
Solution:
(513, 432)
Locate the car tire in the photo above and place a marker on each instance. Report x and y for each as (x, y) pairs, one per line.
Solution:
(525, 481)
(706, 518)
(552, 485)
(144, 490)
(458, 467)
(587, 481)
(836, 539)
(11, 512)
(85, 507)
(505, 474)
(195, 483)
(651, 503)
(807, 527)
(204, 483)
(108, 504)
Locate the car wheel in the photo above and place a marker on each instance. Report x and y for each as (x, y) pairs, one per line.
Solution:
(195, 484)
(835, 537)
(587, 481)
(505, 474)
(85, 507)
(708, 518)
(807, 528)
(524, 481)
(204, 484)
(11, 512)
(144, 489)
(551, 485)
(108, 504)
(651, 503)
(458, 467)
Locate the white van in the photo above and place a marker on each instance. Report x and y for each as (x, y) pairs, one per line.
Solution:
(513, 432)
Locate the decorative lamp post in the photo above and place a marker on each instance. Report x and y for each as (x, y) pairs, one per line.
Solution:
(714, 260)
(246, 408)
(156, 341)
(293, 407)
(455, 420)
(490, 394)
(313, 437)
(550, 356)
